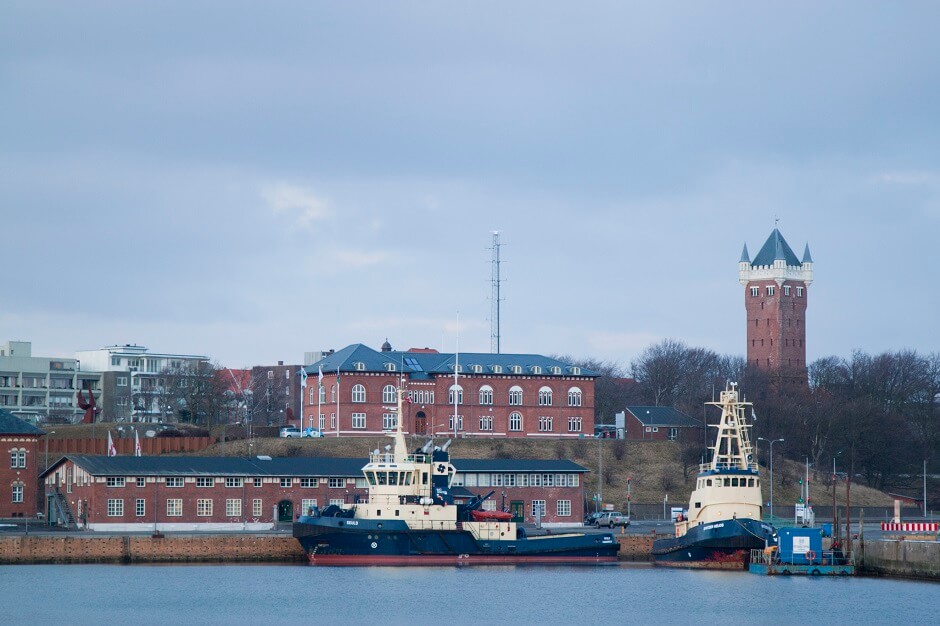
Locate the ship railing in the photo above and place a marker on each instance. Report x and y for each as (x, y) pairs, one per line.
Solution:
(388, 457)
(767, 556)
(707, 467)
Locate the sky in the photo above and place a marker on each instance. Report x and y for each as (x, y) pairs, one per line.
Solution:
(250, 181)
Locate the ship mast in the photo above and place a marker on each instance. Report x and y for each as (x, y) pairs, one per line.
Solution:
(733, 449)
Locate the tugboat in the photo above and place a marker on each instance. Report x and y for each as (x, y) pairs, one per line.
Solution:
(409, 518)
(723, 523)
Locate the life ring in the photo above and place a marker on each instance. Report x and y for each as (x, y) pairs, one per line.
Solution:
(810, 555)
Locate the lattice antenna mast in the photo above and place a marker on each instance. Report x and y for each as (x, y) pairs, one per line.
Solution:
(495, 296)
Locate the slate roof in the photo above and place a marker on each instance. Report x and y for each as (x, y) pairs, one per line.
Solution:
(165, 465)
(776, 247)
(427, 364)
(662, 416)
(12, 425)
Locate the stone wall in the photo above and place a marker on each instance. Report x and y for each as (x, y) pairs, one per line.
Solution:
(147, 549)
(909, 559)
(635, 547)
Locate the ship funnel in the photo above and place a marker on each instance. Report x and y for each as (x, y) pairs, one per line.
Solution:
(427, 446)
(446, 445)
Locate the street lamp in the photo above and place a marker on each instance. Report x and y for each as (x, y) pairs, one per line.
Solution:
(772, 442)
(47, 447)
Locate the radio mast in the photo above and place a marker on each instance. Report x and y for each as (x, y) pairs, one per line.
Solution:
(495, 297)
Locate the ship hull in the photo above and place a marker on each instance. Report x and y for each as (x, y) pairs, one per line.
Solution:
(724, 544)
(367, 542)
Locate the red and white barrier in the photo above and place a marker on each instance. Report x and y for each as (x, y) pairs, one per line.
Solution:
(911, 527)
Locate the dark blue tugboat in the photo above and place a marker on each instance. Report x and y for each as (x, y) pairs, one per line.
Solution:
(409, 518)
(723, 523)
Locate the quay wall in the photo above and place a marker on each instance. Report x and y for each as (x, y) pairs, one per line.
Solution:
(147, 549)
(899, 558)
(635, 547)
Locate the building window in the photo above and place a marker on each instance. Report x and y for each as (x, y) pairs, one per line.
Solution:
(799, 292)
(486, 422)
(388, 394)
(17, 492)
(233, 507)
(489, 505)
(337, 483)
(205, 482)
(115, 507)
(515, 422)
(306, 504)
(286, 483)
(538, 508)
(545, 424)
(256, 507)
(497, 369)
(174, 482)
(390, 367)
(545, 396)
(450, 423)
(574, 424)
(358, 393)
(574, 397)
(536, 369)
(308, 482)
(140, 507)
(233, 482)
(516, 369)
(256, 482)
(755, 291)
(337, 501)
(122, 381)
(332, 393)
(141, 481)
(455, 389)
(564, 508)
(389, 421)
(770, 290)
(204, 507)
(515, 396)
(573, 480)
(786, 290)
(332, 421)
(18, 458)
(486, 395)
(360, 366)
(174, 507)
(673, 434)
(115, 481)
(358, 420)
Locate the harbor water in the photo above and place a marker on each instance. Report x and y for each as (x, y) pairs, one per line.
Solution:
(292, 594)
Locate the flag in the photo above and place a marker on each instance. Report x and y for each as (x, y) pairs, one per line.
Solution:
(303, 377)
(753, 414)
(112, 451)
(136, 443)
(320, 376)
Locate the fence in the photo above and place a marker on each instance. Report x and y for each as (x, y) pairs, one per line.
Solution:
(647, 511)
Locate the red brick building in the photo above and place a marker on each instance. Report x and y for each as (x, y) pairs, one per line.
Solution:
(661, 423)
(127, 493)
(776, 288)
(19, 475)
(496, 395)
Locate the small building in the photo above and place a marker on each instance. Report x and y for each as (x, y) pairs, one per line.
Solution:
(658, 423)
(167, 493)
(18, 480)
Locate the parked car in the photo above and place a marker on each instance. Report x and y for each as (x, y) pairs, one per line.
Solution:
(310, 431)
(290, 431)
(611, 519)
(590, 518)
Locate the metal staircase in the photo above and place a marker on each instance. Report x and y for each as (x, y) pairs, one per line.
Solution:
(60, 512)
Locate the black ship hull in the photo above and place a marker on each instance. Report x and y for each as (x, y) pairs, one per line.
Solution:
(335, 541)
(725, 544)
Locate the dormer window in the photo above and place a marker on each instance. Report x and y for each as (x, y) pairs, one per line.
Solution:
(497, 369)
(456, 368)
(576, 371)
(359, 366)
(390, 367)
(516, 369)
(536, 369)
(555, 369)
(477, 369)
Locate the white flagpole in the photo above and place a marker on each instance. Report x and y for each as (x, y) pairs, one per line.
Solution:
(303, 391)
(319, 395)
(456, 367)
(136, 443)
(337, 401)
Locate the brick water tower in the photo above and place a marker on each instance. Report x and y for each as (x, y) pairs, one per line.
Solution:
(776, 285)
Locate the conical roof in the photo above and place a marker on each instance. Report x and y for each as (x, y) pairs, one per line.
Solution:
(775, 248)
(807, 258)
(745, 257)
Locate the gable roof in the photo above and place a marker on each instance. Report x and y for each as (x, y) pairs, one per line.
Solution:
(662, 416)
(12, 425)
(775, 248)
(422, 364)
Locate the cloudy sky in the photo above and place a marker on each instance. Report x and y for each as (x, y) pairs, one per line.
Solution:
(253, 180)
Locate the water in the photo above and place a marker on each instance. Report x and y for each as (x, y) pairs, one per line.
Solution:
(252, 594)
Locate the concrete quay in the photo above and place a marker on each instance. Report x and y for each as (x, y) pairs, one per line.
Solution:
(898, 558)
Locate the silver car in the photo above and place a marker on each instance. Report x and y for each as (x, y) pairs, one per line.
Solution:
(611, 519)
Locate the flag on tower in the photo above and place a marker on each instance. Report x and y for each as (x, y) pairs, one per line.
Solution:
(136, 443)
(112, 451)
(320, 376)
(303, 377)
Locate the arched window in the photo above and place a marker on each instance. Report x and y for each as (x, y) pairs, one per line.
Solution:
(486, 394)
(388, 394)
(515, 421)
(322, 394)
(515, 396)
(358, 393)
(450, 394)
(14, 458)
(545, 396)
(574, 397)
(333, 393)
(313, 395)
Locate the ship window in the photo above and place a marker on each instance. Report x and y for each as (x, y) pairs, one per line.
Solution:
(407, 479)
(727, 482)
(708, 482)
(734, 482)
(757, 483)
(383, 478)
(698, 505)
(393, 478)
(396, 513)
(424, 478)
(750, 482)
(371, 477)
